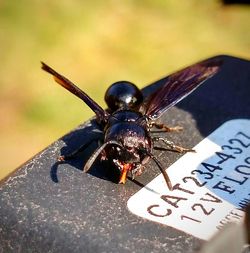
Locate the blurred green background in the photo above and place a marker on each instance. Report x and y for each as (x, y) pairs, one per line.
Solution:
(95, 43)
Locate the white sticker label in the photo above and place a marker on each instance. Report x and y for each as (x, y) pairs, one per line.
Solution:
(211, 186)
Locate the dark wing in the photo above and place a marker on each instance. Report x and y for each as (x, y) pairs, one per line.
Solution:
(101, 114)
(178, 86)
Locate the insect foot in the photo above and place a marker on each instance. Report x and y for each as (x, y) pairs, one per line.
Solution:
(61, 158)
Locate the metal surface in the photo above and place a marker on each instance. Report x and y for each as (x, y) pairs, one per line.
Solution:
(50, 207)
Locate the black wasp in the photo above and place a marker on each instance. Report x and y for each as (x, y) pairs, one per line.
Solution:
(128, 121)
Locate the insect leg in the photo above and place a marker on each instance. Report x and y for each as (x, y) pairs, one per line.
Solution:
(137, 170)
(172, 146)
(166, 128)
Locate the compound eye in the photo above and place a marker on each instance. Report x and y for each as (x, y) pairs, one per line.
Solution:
(123, 95)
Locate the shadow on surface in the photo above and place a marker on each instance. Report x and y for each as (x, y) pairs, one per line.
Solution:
(90, 133)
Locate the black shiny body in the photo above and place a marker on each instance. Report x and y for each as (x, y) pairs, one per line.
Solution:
(127, 126)
(128, 121)
(130, 129)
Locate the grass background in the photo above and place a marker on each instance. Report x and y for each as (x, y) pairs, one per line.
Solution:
(95, 43)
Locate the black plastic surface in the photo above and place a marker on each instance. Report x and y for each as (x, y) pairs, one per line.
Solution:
(46, 207)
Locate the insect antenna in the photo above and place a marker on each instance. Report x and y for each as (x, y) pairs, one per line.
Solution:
(164, 173)
(97, 152)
